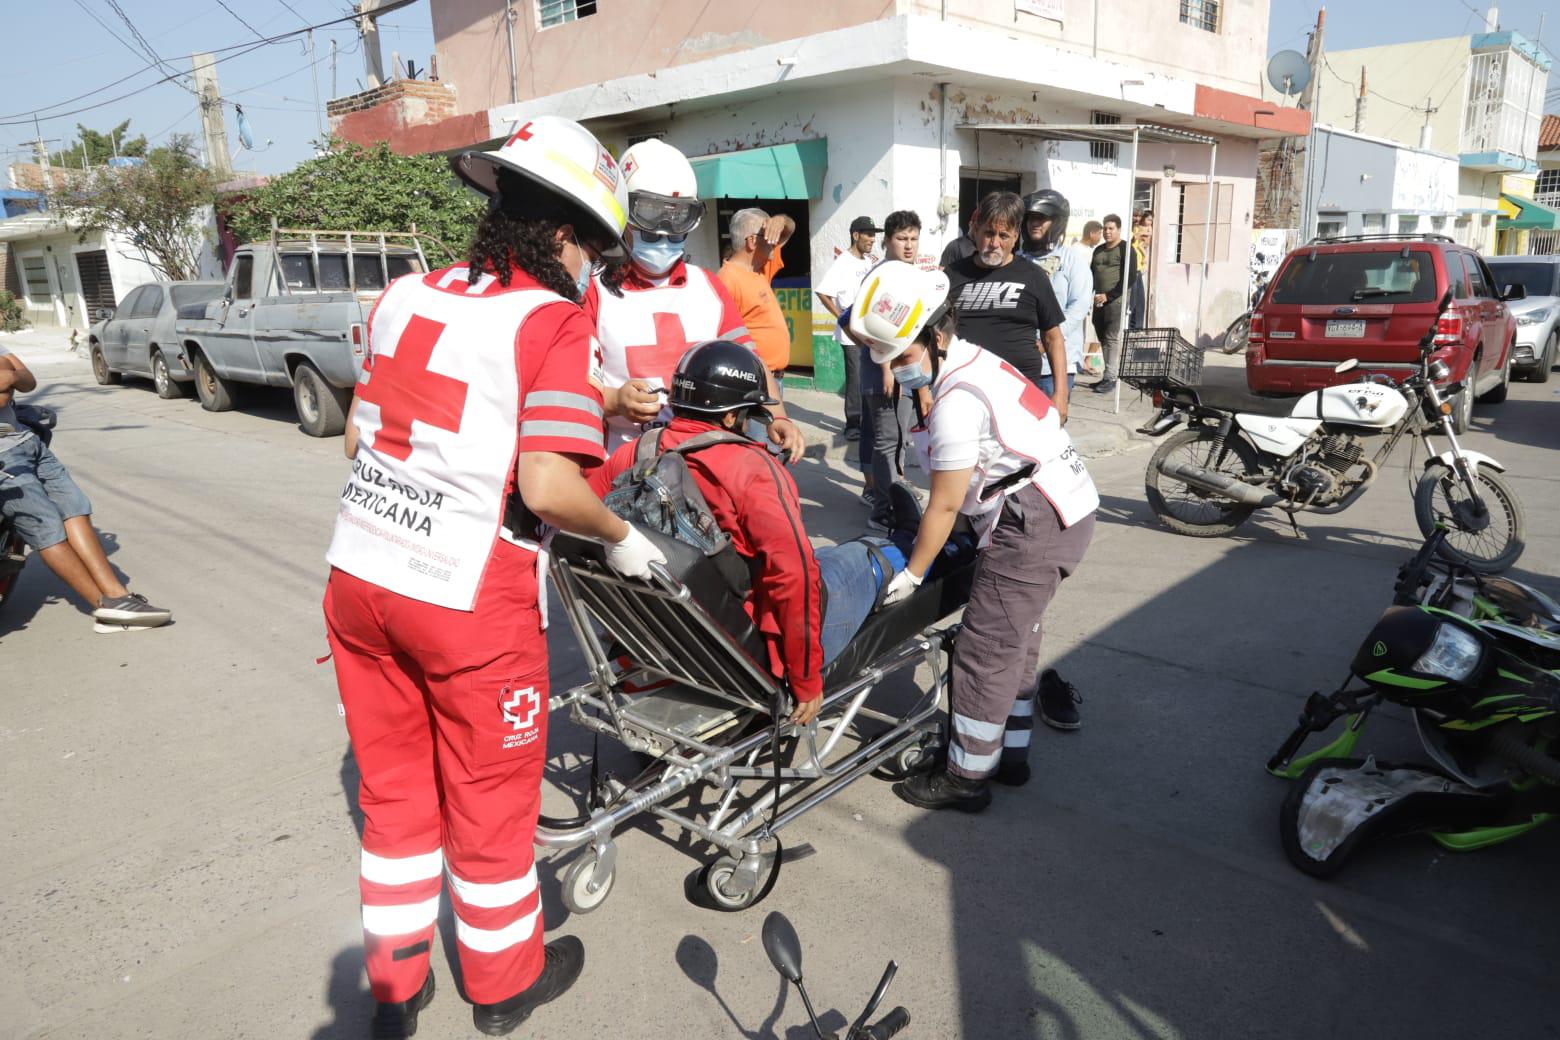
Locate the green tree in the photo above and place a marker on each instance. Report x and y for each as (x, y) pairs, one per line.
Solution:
(351, 188)
(100, 147)
(160, 205)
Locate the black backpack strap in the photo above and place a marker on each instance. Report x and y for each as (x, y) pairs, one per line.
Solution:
(709, 439)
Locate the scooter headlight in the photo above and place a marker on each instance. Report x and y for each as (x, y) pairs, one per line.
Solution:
(1454, 655)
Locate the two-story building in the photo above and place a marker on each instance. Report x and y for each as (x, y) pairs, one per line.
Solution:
(1478, 97)
(831, 111)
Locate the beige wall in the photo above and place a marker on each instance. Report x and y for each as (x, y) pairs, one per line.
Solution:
(624, 37)
(1406, 73)
(627, 37)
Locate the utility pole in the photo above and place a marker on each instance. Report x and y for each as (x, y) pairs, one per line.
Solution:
(1359, 104)
(41, 149)
(333, 94)
(1310, 101)
(314, 74)
(368, 29)
(1424, 131)
(211, 117)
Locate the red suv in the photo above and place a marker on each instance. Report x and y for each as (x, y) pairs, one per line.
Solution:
(1372, 297)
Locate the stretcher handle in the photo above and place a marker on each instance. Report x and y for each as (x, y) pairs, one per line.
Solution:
(888, 1025)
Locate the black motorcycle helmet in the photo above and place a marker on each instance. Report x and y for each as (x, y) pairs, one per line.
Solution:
(1047, 203)
(718, 376)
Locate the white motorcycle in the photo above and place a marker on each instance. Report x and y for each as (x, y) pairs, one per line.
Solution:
(1240, 453)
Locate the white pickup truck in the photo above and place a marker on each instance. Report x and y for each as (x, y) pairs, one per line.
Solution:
(293, 313)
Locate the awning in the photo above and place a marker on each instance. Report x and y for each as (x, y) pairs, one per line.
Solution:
(1519, 214)
(782, 171)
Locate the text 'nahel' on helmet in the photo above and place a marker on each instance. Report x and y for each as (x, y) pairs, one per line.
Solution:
(719, 376)
(896, 301)
(663, 191)
(1049, 203)
(561, 156)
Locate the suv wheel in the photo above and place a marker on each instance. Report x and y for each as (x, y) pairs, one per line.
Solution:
(1498, 393)
(1546, 359)
(1462, 404)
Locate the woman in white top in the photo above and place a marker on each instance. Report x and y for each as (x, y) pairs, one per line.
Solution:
(999, 458)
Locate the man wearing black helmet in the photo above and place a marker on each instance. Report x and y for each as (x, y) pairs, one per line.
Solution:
(1045, 233)
(807, 603)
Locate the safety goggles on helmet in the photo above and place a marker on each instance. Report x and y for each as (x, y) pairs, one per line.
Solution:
(648, 211)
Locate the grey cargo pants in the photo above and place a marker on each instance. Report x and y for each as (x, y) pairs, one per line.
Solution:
(993, 675)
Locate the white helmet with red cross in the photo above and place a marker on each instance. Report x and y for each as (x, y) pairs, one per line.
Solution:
(564, 157)
(895, 302)
(663, 192)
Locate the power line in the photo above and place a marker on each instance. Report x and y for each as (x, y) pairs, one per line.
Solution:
(237, 50)
(223, 4)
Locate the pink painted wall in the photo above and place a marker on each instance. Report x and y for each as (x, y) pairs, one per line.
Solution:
(622, 38)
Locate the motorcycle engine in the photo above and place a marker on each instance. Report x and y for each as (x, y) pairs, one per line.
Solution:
(1316, 474)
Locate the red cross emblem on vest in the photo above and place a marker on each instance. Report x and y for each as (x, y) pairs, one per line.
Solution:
(406, 391)
(658, 360)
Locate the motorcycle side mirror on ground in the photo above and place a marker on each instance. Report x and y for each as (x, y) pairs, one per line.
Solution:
(1515, 291)
(783, 947)
(1347, 366)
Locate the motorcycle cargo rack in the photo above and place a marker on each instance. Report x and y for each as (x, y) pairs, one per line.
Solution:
(1159, 359)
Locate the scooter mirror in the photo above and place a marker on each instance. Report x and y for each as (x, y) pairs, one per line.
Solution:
(1347, 366)
(783, 947)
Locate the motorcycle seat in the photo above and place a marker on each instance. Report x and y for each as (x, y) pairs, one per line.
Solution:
(1234, 399)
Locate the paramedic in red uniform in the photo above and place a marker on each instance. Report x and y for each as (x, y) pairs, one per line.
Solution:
(477, 407)
(648, 312)
(998, 455)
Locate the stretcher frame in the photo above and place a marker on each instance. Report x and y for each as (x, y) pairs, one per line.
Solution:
(681, 643)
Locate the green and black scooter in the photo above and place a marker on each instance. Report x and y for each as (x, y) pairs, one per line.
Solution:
(1476, 660)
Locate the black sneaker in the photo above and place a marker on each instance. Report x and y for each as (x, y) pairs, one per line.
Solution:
(1059, 701)
(1012, 774)
(562, 963)
(942, 790)
(132, 610)
(1104, 386)
(399, 1020)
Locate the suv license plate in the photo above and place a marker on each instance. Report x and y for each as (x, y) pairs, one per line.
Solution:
(1353, 328)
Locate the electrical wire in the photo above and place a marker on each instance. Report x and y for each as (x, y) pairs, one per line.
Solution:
(223, 4)
(229, 52)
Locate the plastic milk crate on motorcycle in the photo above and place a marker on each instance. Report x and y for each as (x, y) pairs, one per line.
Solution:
(1159, 359)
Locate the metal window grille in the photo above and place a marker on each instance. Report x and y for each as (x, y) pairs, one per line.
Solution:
(97, 285)
(35, 272)
(1201, 14)
(1544, 243)
(1547, 189)
(1204, 214)
(1103, 149)
(557, 12)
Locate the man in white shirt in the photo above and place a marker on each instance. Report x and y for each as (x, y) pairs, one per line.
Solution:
(837, 291)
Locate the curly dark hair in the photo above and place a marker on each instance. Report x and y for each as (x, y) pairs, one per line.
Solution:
(519, 231)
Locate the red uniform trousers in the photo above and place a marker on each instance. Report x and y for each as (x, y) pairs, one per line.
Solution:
(447, 711)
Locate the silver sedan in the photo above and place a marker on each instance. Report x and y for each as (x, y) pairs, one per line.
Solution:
(137, 337)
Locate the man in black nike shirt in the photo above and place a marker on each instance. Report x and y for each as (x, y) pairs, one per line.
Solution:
(1005, 303)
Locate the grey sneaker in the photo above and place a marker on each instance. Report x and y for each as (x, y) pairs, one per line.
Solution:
(132, 610)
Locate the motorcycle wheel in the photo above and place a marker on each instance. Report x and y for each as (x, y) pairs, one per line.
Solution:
(1237, 335)
(1186, 510)
(1487, 544)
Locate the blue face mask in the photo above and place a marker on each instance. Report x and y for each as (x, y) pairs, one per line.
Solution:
(912, 377)
(582, 280)
(658, 254)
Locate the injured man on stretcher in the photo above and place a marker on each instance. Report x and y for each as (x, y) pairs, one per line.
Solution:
(807, 603)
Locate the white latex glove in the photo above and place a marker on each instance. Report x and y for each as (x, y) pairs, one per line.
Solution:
(900, 588)
(633, 556)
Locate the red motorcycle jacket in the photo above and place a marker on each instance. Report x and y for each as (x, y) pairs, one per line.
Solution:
(754, 500)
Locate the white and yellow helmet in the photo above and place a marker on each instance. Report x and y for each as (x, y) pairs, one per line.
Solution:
(564, 157)
(896, 301)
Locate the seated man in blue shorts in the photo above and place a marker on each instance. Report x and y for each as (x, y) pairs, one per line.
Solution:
(53, 517)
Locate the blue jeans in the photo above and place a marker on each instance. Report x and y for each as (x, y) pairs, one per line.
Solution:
(37, 494)
(1048, 383)
(852, 583)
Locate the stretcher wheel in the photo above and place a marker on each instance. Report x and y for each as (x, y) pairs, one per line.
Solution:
(578, 893)
(714, 879)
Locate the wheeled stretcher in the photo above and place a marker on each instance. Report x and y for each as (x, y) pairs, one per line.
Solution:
(678, 675)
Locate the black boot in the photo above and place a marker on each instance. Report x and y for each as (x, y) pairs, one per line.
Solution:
(398, 1020)
(562, 963)
(940, 789)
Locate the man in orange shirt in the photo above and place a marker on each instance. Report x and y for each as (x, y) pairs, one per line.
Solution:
(751, 231)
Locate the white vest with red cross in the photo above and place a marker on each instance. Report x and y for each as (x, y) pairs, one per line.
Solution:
(1029, 430)
(647, 330)
(437, 415)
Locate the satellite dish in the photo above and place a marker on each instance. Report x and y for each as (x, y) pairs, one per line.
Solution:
(1288, 72)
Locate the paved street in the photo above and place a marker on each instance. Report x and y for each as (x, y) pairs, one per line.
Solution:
(180, 850)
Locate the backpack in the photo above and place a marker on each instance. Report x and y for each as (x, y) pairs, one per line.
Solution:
(658, 492)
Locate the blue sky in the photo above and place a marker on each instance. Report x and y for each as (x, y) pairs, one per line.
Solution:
(55, 51)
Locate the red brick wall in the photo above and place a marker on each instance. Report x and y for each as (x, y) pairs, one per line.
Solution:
(412, 116)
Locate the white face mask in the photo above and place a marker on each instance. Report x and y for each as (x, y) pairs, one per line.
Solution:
(658, 257)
